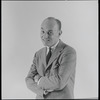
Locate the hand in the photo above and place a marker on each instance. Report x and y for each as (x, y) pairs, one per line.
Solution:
(36, 78)
(47, 91)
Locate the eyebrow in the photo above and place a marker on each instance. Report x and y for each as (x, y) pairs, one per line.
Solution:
(48, 30)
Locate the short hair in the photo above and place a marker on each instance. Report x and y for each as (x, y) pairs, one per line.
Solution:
(57, 20)
(59, 23)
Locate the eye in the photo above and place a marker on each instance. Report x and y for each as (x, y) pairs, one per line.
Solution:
(50, 32)
(43, 32)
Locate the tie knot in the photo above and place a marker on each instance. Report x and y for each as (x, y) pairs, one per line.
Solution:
(50, 49)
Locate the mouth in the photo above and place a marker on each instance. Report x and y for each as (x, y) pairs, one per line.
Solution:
(46, 40)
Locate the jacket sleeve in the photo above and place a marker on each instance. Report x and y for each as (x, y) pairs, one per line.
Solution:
(61, 75)
(30, 81)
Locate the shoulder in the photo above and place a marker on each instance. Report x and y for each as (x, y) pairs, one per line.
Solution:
(68, 49)
(65, 47)
(40, 51)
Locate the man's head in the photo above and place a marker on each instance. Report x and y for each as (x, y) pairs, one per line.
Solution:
(50, 31)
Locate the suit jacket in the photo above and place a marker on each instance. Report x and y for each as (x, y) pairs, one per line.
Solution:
(58, 75)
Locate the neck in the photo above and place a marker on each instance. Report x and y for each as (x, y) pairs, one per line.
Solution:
(53, 46)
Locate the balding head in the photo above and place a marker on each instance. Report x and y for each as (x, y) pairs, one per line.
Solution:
(53, 21)
(50, 31)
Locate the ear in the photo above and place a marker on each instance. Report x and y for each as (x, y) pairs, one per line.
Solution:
(60, 32)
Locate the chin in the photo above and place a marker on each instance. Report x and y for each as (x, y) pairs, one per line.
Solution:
(45, 44)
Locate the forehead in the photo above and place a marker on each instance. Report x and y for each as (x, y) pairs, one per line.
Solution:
(49, 24)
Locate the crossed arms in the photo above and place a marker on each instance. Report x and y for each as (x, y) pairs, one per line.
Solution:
(59, 78)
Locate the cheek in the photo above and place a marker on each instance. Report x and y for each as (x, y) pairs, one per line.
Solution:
(42, 36)
(55, 38)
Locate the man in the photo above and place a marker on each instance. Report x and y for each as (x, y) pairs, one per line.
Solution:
(52, 73)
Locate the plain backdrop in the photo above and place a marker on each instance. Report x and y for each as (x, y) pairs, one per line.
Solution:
(21, 22)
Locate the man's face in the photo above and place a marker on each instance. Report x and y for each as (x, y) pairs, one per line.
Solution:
(49, 32)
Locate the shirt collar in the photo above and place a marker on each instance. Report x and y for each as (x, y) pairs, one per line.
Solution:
(53, 47)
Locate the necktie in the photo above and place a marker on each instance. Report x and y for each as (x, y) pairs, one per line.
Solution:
(48, 55)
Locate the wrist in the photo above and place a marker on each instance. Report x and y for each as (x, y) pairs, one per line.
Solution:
(36, 78)
(38, 81)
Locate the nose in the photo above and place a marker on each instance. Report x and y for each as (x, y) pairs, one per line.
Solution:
(46, 35)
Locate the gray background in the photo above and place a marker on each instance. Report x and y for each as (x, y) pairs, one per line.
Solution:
(21, 22)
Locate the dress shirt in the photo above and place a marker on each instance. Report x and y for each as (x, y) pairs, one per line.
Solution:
(52, 48)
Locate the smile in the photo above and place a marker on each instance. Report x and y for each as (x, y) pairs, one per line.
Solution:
(46, 40)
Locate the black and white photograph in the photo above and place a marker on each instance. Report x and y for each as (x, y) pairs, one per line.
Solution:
(49, 49)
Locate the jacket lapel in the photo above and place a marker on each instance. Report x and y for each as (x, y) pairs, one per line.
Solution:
(56, 52)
